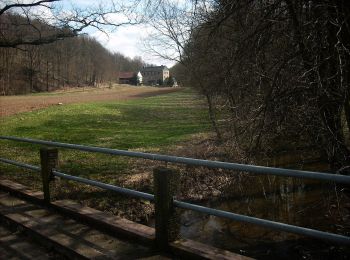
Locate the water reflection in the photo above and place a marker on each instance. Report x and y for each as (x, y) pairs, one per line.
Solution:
(305, 203)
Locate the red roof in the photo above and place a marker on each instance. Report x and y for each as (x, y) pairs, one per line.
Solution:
(126, 75)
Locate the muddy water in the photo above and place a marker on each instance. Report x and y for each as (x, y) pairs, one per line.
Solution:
(305, 203)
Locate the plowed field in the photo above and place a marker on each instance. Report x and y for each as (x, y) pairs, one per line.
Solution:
(11, 105)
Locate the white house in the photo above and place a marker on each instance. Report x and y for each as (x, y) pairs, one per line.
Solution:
(139, 78)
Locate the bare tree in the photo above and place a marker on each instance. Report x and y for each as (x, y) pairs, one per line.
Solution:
(275, 73)
(77, 61)
(47, 54)
(46, 21)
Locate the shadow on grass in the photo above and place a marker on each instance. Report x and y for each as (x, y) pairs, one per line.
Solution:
(123, 127)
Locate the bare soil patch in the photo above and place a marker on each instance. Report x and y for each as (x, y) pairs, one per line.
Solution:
(11, 105)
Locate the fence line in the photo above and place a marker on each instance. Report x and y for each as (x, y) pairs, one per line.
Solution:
(180, 204)
(210, 211)
(196, 162)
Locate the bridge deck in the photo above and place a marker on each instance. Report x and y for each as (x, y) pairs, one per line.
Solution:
(74, 231)
(66, 235)
(16, 245)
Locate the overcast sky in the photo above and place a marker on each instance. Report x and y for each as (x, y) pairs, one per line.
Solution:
(127, 39)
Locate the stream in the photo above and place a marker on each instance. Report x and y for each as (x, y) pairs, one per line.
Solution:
(306, 203)
(303, 205)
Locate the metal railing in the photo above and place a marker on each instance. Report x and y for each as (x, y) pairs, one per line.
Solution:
(341, 239)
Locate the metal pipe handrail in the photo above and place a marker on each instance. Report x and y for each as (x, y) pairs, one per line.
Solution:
(197, 162)
(265, 223)
(125, 191)
(19, 164)
(210, 211)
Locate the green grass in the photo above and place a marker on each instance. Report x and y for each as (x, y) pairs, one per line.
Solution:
(141, 123)
(149, 124)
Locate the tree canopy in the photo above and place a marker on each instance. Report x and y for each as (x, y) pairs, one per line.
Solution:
(274, 73)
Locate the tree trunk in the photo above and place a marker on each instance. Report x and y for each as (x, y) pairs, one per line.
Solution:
(325, 81)
(212, 117)
(338, 153)
(47, 75)
(347, 111)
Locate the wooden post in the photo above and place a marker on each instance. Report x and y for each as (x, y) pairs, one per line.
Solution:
(166, 220)
(48, 161)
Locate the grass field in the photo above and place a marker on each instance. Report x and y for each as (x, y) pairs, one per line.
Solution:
(150, 124)
(11, 105)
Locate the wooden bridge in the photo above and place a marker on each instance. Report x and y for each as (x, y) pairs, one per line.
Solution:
(83, 232)
(65, 228)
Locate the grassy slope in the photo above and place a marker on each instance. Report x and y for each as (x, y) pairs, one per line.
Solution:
(145, 124)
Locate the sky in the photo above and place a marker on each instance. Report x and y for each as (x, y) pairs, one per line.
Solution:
(128, 40)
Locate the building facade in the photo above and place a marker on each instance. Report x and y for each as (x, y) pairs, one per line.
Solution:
(155, 75)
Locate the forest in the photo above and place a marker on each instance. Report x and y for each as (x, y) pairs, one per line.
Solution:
(65, 62)
(275, 74)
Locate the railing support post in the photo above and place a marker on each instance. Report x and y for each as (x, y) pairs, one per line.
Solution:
(48, 161)
(166, 182)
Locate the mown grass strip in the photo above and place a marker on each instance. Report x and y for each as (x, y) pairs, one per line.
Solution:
(142, 124)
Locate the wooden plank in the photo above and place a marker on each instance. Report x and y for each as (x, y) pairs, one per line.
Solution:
(113, 224)
(68, 236)
(41, 230)
(117, 226)
(196, 250)
(21, 191)
(15, 245)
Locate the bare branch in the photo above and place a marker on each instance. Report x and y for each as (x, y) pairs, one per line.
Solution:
(18, 5)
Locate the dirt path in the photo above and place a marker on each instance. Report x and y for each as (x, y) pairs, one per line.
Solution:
(11, 105)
